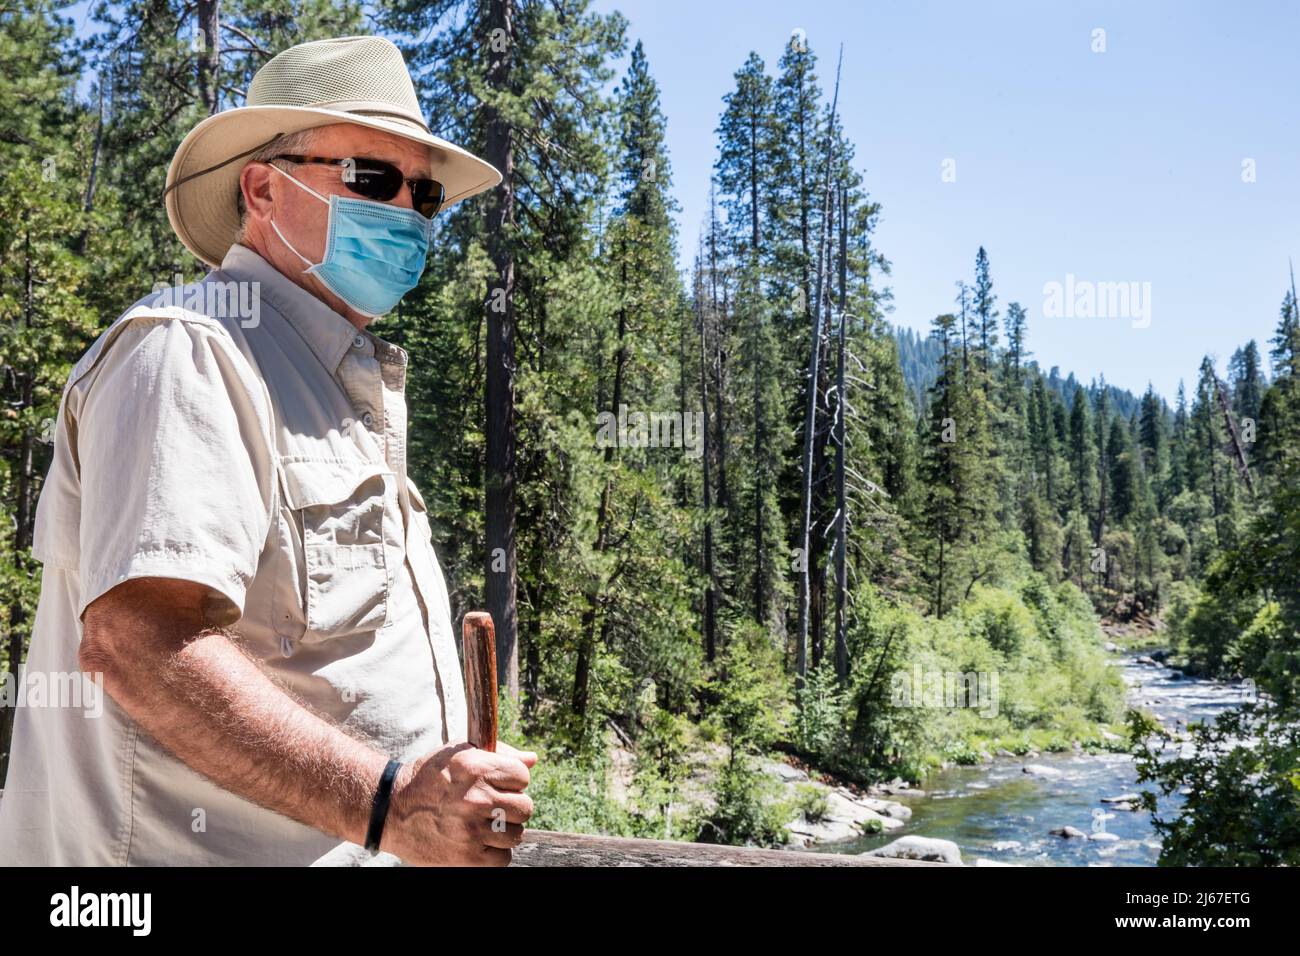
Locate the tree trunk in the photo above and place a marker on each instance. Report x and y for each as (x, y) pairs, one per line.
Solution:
(810, 417)
(88, 204)
(586, 647)
(841, 496)
(710, 597)
(210, 55)
(499, 397)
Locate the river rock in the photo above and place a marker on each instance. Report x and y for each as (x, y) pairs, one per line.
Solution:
(920, 848)
(1149, 662)
(787, 773)
(1070, 833)
(1122, 798)
(1039, 770)
(1105, 836)
(1003, 845)
(1111, 646)
(899, 786)
(847, 817)
(1113, 738)
(886, 808)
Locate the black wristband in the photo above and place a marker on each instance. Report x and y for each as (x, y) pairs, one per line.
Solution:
(379, 808)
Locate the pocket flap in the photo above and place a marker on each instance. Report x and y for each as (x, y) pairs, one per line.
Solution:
(325, 481)
(416, 497)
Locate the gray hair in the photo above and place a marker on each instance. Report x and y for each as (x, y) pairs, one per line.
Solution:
(299, 143)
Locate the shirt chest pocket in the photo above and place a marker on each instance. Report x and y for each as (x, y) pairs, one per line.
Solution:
(336, 527)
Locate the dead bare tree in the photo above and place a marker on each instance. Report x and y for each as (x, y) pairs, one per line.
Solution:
(810, 417)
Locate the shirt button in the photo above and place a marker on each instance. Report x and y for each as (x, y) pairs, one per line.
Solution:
(367, 419)
(358, 341)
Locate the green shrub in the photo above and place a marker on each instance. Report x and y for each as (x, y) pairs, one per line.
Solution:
(812, 802)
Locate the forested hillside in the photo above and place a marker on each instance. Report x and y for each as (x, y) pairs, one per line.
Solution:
(720, 510)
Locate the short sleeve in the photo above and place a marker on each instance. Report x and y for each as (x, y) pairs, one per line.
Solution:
(177, 471)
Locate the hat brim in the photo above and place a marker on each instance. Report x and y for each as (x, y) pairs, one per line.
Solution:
(204, 211)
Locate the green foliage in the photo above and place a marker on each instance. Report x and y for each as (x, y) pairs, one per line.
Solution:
(572, 794)
(748, 812)
(748, 690)
(1008, 663)
(661, 765)
(1242, 787)
(819, 711)
(812, 802)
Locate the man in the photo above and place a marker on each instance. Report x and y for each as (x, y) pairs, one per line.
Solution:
(229, 537)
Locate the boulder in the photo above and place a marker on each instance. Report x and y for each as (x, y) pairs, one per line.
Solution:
(787, 773)
(1069, 833)
(920, 848)
(847, 817)
(886, 808)
(1040, 770)
(1122, 798)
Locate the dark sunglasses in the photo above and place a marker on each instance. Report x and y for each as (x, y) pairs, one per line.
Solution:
(381, 181)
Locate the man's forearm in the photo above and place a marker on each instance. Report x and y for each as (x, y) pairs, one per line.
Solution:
(253, 739)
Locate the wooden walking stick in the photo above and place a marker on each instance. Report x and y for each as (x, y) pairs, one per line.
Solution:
(479, 643)
(546, 848)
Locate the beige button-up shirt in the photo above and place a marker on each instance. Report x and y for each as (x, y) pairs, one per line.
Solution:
(240, 434)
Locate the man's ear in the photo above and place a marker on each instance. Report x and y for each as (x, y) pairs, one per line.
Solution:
(255, 182)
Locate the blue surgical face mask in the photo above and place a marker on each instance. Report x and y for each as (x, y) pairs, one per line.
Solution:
(374, 252)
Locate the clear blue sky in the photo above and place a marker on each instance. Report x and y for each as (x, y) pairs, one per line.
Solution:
(1116, 166)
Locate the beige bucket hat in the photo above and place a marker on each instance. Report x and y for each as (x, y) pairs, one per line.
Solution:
(360, 80)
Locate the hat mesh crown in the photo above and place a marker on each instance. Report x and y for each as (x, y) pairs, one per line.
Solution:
(344, 70)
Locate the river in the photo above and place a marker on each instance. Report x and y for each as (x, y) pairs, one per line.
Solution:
(998, 812)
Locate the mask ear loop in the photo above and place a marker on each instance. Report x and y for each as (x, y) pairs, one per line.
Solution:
(307, 262)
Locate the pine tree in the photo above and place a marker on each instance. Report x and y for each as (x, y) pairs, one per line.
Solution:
(1247, 381)
(45, 318)
(746, 155)
(529, 78)
(986, 316)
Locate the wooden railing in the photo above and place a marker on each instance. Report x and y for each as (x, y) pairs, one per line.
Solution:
(542, 848)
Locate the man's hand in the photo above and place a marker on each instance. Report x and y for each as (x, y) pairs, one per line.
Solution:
(460, 806)
(172, 672)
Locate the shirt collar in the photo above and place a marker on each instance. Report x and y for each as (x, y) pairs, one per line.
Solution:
(328, 334)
